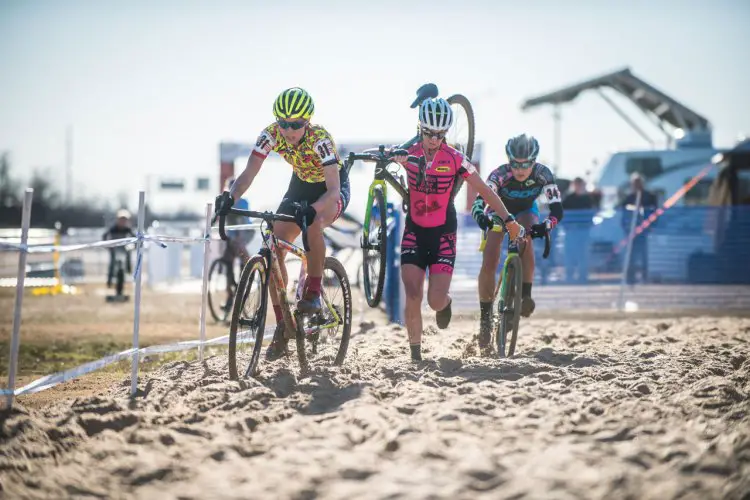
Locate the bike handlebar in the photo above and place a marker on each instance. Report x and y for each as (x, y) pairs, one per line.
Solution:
(532, 235)
(381, 155)
(268, 217)
(545, 235)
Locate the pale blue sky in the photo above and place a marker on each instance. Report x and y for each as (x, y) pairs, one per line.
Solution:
(153, 86)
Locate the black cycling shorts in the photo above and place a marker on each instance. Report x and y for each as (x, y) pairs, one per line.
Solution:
(433, 247)
(311, 192)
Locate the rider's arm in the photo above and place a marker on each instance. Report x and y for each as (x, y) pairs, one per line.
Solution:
(329, 161)
(263, 146)
(245, 179)
(477, 208)
(552, 192)
(333, 187)
(488, 194)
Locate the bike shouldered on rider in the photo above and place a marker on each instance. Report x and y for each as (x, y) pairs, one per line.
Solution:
(317, 179)
(429, 238)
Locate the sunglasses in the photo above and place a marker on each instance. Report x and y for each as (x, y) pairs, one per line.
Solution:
(292, 125)
(523, 165)
(430, 134)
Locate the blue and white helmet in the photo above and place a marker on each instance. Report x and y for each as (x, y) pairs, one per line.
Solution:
(522, 147)
(436, 114)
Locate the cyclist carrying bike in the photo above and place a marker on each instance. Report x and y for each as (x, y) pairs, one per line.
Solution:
(518, 183)
(318, 179)
(429, 238)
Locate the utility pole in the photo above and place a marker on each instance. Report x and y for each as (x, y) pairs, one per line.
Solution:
(69, 165)
(558, 146)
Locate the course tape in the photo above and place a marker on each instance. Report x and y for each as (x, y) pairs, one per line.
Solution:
(54, 379)
(155, 238)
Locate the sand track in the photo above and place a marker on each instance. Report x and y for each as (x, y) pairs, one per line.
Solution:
(628, 409)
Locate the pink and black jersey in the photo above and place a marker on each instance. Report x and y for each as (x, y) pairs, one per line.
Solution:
(431, 202)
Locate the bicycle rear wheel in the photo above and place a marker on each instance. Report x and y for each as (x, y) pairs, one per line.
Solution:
(509, 307)
(248, 317)
(323, 338)
(374, 250)
(461, 134)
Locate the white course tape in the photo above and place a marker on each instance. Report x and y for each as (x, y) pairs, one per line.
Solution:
(54, 379)
(155, 238)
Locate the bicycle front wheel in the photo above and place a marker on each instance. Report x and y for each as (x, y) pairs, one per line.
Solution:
(509, 307)
(323, 338)
(461, 134)
(248, 318)
(374, 250)
(219, 298)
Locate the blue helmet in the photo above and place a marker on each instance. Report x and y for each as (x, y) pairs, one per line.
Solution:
(522, 147)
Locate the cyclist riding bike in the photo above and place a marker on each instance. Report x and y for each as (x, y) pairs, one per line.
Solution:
(236, 246)
(318, 179)
(518, 183)
(429, 239)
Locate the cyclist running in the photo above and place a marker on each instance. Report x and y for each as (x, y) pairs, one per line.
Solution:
(519, 183)
(429, 238)
(318, 178)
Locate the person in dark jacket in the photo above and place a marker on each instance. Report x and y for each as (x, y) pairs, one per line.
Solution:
(579, 210)
(120, 229)
(642, 211)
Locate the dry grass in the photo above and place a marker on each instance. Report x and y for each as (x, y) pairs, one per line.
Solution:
(63, 331)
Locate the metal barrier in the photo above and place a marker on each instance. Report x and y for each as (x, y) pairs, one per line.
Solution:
(683, 257)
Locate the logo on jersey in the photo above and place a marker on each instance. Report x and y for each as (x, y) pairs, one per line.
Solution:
(422, 209)
(529, 182)
(443, 169)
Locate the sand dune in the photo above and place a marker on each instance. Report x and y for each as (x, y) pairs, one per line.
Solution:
(642, 409)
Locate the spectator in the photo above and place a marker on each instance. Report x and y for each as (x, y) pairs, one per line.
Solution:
(648, 204)
(579, 210)
(120, 229)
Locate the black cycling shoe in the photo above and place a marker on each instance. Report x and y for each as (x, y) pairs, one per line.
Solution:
(443, 317)
(310, 304)
(277, 349)
(527, 306)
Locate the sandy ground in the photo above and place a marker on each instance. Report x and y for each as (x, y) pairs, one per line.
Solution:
(641, 409)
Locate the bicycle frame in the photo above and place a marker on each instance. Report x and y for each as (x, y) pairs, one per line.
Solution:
(382, 178)
(274, 244)
(514, 248)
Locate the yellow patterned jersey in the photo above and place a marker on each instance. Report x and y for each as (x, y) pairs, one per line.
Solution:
(315, 151)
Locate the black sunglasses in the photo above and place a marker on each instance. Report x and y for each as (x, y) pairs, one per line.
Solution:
(292, 125)
(522, 164)
(430, 134)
